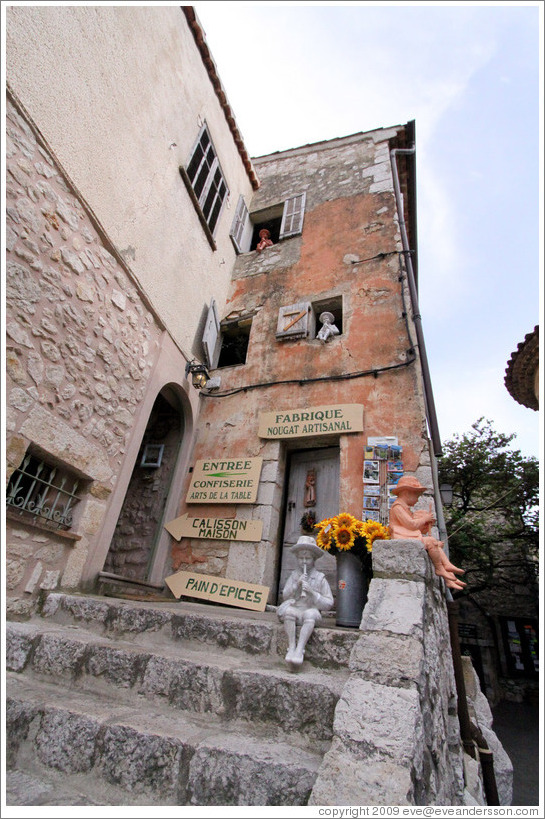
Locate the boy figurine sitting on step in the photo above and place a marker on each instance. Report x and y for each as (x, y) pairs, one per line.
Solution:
(306, 593)
(406, 523)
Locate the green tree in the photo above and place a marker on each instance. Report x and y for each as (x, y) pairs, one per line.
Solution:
(492, 524)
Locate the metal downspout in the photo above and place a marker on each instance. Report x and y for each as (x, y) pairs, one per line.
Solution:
(417, 319)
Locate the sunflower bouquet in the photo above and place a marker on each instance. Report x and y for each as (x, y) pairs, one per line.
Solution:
(345, 533)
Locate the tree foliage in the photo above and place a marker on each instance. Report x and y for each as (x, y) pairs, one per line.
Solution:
(493, 522)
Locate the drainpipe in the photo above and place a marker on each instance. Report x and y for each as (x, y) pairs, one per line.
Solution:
(417, 319)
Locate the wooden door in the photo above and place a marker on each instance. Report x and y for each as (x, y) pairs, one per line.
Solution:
(325, 463)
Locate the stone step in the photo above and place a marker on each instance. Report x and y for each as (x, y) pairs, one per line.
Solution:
(230, 686)
(258, 634)
(106, 751)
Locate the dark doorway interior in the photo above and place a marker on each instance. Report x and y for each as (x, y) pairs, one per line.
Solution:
(139, 524)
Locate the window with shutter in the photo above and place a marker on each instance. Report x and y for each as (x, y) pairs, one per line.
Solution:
(305, 319)
(211, 336)
(241, 229)
(205, 182)
(282, 220)
(294, 321)
(292, 218)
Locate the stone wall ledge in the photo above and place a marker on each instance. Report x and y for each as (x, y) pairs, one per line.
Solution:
(398, 700)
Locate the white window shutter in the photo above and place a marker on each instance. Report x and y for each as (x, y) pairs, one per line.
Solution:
(293, 215)
(241, 227)
(211, 336)
(294, 320)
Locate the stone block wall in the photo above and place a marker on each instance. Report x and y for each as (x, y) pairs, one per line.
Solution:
(396, 732)
(81, 344)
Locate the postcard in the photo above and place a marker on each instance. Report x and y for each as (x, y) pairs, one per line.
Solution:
(371, 471)
(371, 514)
(371, 502)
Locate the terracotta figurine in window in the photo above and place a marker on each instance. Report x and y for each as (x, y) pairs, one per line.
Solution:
(265, 240)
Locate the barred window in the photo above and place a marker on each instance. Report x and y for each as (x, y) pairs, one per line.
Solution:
(41, 491)
(204, 178)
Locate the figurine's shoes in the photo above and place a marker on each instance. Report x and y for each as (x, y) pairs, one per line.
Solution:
(450, 579)
(289, 655)
(297, 658)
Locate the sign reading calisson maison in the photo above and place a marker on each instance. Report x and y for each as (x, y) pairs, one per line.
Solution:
(342, 418)
(230, 480)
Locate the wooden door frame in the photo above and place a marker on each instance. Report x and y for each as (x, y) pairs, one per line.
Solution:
(296, 448)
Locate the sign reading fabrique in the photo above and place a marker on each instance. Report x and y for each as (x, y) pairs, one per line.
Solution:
(299, 423)
(230, 480)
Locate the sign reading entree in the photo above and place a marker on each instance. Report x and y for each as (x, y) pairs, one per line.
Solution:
(230, 480)
(342, 418)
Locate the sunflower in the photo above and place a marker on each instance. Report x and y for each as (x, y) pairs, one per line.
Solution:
(344, 537)
(323, 539)
(345, 521)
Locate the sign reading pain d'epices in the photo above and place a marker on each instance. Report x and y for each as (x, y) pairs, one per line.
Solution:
(219, 590)
(229, 480)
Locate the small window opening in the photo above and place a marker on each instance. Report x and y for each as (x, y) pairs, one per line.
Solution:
(40, 490)
(333, 305)
(271, 219)
(235, 336)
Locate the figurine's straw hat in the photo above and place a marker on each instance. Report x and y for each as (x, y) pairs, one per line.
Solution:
(264, 233)
(307, 544)
(327, 317)
(408, 482)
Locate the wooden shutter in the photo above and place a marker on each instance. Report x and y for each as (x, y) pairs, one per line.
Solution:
(211, 336)
(294, 320)
(293, 215)
(241, 229)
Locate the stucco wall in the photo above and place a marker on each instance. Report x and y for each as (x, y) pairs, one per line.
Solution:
(120, 92)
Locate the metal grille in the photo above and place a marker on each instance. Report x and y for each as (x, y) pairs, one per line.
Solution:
(43, 491)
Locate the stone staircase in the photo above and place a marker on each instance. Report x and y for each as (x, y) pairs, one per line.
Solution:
(117, 702)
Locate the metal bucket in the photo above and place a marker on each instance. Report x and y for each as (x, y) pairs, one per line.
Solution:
(352, 584)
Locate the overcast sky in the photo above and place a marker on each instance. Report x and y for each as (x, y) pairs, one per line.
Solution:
(469, 75)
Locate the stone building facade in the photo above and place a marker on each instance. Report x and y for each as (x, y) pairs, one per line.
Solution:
(346, 259)
(104, 310)
(133, 212)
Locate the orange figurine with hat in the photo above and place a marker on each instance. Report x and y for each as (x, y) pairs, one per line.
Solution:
(408, 523)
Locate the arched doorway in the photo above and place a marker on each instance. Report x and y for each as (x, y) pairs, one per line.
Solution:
(140, 522)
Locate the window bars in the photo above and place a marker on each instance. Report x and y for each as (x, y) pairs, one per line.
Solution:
(43, 491)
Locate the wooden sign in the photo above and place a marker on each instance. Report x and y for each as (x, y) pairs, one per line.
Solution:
(219, 590)
(230, 480)
(215, 528)
(341, 418)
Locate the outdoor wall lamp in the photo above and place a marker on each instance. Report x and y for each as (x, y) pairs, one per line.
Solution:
(446, 494)
(199, 374)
